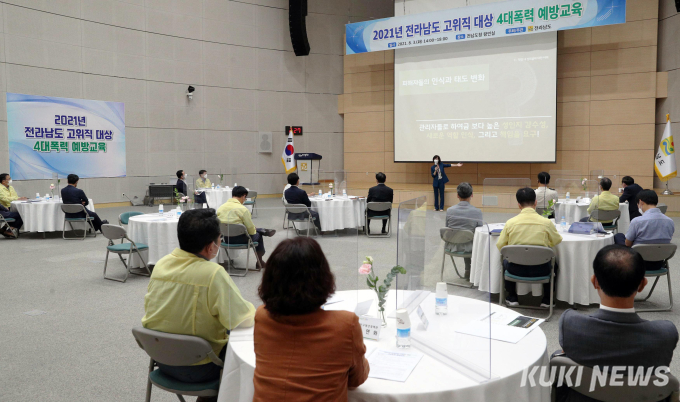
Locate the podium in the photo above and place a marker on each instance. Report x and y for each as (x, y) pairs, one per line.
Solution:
(308, 168)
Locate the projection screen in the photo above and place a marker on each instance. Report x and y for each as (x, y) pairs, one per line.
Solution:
(480, 101)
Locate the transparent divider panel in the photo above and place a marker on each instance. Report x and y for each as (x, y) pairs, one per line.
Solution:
(457, 338)
(556, 174)
(499, 195)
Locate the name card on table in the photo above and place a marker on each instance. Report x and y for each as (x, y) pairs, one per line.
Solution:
(370, 327)
(423, 317)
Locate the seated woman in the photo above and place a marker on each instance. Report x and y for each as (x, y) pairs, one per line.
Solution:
(304, 353)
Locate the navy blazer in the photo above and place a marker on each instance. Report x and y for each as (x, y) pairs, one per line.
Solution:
(74, 195)
(436, 182)
(296, 195)
(630, 194)
(181, 187)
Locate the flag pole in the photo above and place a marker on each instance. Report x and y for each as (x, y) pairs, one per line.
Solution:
(667, 191)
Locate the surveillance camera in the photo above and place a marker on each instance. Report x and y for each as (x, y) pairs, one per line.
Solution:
(190, 92)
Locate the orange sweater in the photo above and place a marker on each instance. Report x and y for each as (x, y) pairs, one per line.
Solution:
(312, 357)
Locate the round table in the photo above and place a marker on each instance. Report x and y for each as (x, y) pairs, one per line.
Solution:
(431, 380)
(218, 196)
(158, 232)
(575, 255)
(574, 212)
(42, 216)
(339, 212)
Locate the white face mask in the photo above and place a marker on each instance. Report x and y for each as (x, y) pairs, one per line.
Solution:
(436, 162)
(204, 176)
(9, 182)
(641, 211)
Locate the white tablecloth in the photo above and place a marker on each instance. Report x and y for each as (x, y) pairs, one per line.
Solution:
(43, 216)
(157, 232)
(431, 380)
(217, 197)
(575, 255)
(340, 213)
(573, 212)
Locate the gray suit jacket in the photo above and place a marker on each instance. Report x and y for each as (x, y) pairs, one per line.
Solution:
(609, 338)
(466, 217)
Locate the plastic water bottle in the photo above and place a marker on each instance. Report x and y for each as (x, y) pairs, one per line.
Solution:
(212, 185)
(441, 306)
(567, 196)
(563, 224)
(344, 193)
(160, 209)
(235, 184)
(179, 213)
(403, 329)
(320, 193)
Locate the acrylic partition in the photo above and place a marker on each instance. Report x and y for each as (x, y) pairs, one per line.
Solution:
(556, 174)
(575, 196)
(331, 181)
(499, 195)
(430, 289)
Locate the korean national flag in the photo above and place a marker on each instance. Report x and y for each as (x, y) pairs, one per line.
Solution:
(288, 156)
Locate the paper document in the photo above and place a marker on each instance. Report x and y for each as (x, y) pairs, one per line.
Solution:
(333, 299)
(363, 307)
(506, 327)
(393, 365)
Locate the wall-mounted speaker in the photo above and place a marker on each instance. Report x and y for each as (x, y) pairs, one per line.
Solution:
(677, 5)
(264, 143)
(297, 12)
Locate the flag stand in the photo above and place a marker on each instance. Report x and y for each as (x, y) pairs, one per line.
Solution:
(667, 191)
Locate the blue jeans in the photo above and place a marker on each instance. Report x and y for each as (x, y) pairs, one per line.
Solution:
(439, 197)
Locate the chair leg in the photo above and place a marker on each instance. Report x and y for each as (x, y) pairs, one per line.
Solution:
(148, 382)
(501, 296)
(181, 398)
(146, 267)
(285, 215)
(670, 296)
(441, 277)
(112, 278)
(650, 291)
(456, 267)
(552, 294)
(106, 262)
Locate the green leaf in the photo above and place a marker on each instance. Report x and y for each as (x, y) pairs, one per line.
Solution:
(382, 289)
(368, 281)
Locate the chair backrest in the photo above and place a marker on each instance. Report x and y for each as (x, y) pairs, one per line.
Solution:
(72, 208)
(124, 218)
(114, 232)
(296, 208)
(663, 208)
(456, 236)
(605, 216)
(540, 210)
(174, 349)
(232, 230)
(379, 206)
(614, 393)
(252, 195)
(656, 252)
(527, 255)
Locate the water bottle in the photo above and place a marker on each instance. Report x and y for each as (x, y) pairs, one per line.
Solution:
(567, 196)
(179, 213)
(403, 329)
(563, 224)
(441, 306)
(212, 185)
(235, 184)
(320, 193)
(344, 193)
(37, 196)
(160, 209)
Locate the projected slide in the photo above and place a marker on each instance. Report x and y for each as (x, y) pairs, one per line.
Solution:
(481, 101)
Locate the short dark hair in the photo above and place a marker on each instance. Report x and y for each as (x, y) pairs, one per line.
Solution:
(293, 178)
(72, 178)
(239, 191)
(380, 177)
(200, 172)
(464, 190)
(197, 228)
(179, 173)
(619, 270)
(298, 279)
(3, 176)
(436, 157)
(605, 183)
(544, 177)
(627, 180)
(526, 196)
(649, 197)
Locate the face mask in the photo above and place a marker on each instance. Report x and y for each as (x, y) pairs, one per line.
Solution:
(204, 176)
(9, 182)
(641, 211)
(436, 162)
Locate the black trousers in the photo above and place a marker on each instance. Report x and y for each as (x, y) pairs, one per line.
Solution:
(201, 199)
(315, 218)
(243, 239)
(378, 213)
(194, 374)
(18, 222)
(529, 271)
(96, 222)
(620, 239)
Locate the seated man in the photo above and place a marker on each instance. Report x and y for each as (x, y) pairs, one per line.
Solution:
(296, 195)
(630, 192)
(463, 216)
(652, 227)
(528, 229)
(234, 212)
(605, 201)
(379, 193)
(17, 224)
(202, 183)
(7, 192)
(615, 335)
(190, 295)
(181, 185)
(544, 194)
(71, 194)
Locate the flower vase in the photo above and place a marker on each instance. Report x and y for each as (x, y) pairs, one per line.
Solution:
(381, 315)
(587, 194)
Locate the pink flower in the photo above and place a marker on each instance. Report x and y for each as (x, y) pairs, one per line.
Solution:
(51, 186)
(365, 269)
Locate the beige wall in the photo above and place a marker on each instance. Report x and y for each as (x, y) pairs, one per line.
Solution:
(606, 94)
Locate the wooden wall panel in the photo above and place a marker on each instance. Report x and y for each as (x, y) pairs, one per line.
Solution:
(606, 90)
